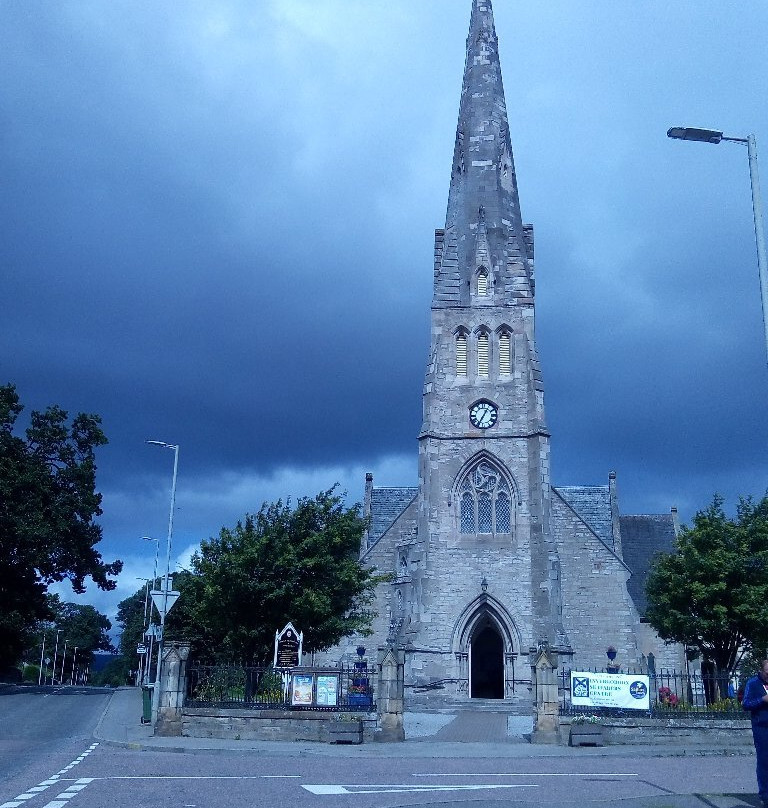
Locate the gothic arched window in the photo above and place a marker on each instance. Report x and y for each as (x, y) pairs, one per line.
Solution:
(482, 282)
(505, 354)
(483, 353)
(485, 501)
(461, 354)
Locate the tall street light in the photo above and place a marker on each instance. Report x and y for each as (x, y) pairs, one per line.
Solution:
(167, 581)
(143, 658)
(63, 660)
(74, 662)
(713, 136)
(147, 624)
(55, 654)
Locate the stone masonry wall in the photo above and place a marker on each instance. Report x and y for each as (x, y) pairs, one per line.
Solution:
(597, 610)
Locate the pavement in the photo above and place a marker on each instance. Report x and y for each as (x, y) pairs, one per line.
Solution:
(429, 735)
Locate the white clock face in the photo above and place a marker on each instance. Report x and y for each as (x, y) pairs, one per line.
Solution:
(483, 415)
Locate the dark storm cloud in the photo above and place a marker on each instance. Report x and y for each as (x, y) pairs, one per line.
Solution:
(216, 229)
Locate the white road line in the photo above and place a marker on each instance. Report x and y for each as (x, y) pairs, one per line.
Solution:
(532, 774)
(195, 777)
(53, 780)
(402, 789)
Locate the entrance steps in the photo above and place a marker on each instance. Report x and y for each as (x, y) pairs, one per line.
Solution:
(452, 706)
(469, 726)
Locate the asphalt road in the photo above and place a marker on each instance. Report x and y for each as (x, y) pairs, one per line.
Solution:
(48, 759)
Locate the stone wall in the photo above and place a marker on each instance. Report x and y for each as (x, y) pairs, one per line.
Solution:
(673, 732)
(598, 610)
(264, 725)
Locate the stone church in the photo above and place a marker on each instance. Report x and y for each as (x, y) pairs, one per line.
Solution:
(489, 559)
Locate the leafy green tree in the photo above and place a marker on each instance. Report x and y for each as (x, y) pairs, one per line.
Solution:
(130, 618)
(81, 626)
(48, 503)
(711, 594)
(283, 563)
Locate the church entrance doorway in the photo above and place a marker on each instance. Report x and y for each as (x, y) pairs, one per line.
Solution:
(487, 664)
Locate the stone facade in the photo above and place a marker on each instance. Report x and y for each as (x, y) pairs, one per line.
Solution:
(491, 562)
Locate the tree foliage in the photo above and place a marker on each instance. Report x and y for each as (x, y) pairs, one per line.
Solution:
(283, 563)
(48, 504)
(711, 593)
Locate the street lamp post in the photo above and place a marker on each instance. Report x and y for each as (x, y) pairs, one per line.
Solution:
(147, 624)
(74, 660)
(167, 579)
(63, 660)
(143, 658)
(42, 659)
(55, 654)
(713, 136)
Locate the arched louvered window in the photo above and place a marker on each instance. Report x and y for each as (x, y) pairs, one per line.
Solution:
(482, 282)
(483, 350)
(461, 354)
(505, 354)
(485, 501)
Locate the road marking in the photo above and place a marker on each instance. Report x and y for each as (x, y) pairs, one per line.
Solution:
(532, 774)
(195, 777)
(54, 779)
(71, 791)
(324, 790)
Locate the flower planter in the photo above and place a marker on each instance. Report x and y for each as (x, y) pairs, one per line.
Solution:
(586, 735)
(345, 732)
(358, 700)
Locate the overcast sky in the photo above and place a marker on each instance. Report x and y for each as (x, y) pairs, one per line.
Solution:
(217, 222)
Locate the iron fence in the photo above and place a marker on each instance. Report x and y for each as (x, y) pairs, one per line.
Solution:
(673, 694)
(346, 687)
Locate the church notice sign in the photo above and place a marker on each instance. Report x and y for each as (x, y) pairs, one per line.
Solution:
(628, 691)
(288, 646)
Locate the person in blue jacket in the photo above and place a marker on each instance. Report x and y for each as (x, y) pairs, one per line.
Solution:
(756, 701)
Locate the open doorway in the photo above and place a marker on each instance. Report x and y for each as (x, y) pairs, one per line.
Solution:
(487, 664)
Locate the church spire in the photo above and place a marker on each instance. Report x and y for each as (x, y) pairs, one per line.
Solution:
(483, 181)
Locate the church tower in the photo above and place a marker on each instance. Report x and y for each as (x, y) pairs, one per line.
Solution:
(484, 571)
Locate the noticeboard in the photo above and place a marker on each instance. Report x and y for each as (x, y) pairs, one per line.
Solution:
(302, 689)
(327, 690)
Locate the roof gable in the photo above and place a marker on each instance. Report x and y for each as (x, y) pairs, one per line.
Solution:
(642, 537)
(386, 505)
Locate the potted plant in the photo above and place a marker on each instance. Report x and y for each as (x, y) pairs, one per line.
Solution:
(345, 728)
(586, 730)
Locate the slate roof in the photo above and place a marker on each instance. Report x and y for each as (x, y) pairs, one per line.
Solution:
(386, 505)
(641, 538)
(593, 504)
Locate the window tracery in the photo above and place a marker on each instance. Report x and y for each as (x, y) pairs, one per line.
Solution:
(485, 503)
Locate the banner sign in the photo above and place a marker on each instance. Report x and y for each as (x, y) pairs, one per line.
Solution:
(627, 691)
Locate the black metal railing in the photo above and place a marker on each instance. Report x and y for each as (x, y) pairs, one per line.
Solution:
(672, 694)
(346, 687)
